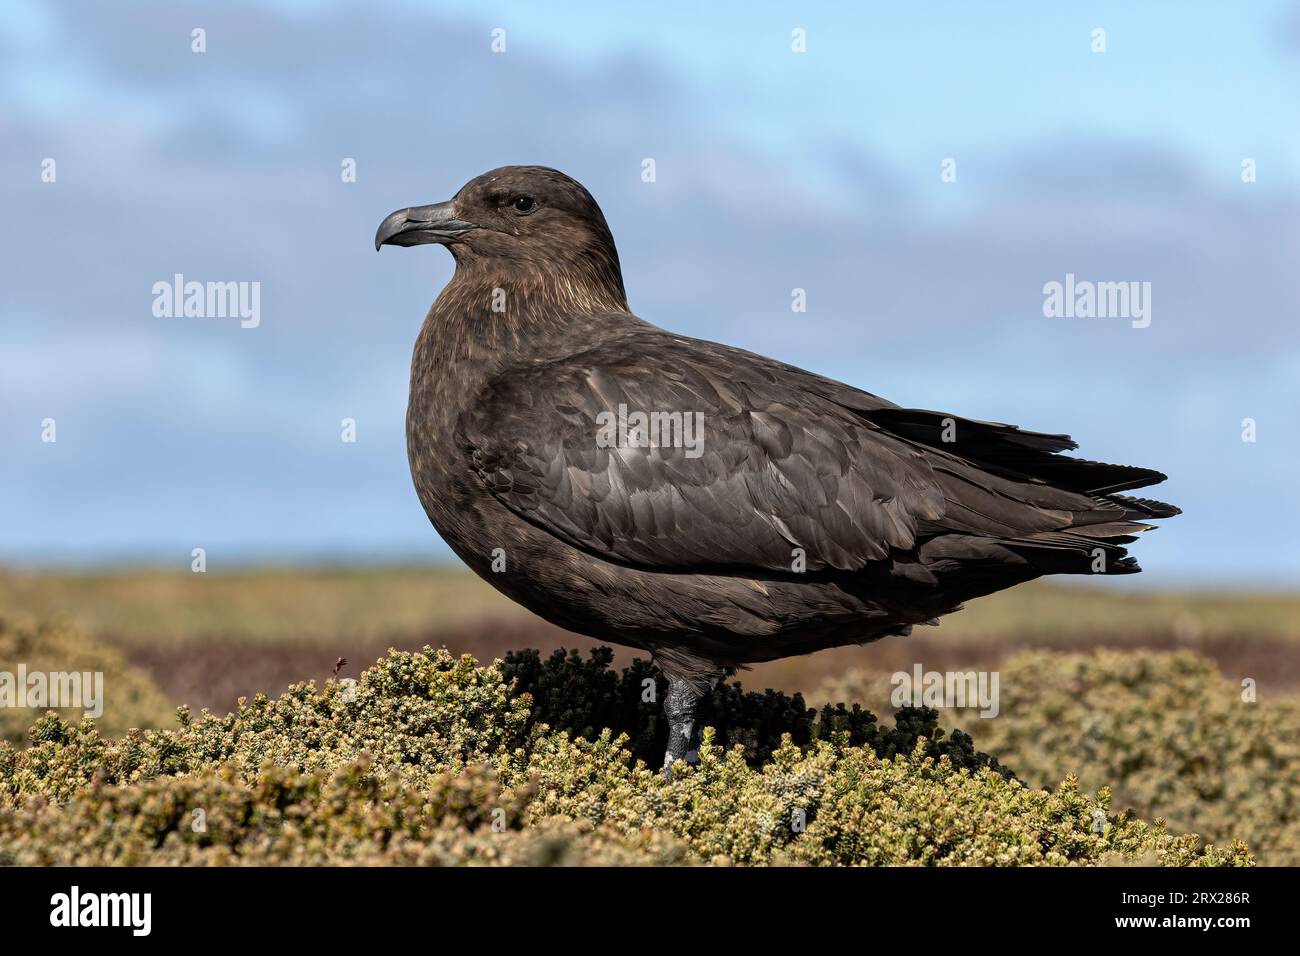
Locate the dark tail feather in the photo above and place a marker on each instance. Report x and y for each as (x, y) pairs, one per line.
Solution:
(970, 438)
(1072, 552)
(1012, 452)
(1146, 507)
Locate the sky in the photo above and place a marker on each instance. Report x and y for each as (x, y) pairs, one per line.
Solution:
(921, 170)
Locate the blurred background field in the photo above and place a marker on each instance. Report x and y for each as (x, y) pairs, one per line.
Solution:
(209, 638)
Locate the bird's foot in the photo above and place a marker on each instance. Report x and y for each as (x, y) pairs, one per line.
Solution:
(683, 730)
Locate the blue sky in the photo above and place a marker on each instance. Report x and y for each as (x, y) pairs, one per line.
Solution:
(775, 170)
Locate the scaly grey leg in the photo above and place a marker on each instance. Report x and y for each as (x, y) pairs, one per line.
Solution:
(683, 731)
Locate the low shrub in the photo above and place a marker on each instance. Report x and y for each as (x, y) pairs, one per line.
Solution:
(432, 759)
(131, 699)
(583, 697)
(1165, 731)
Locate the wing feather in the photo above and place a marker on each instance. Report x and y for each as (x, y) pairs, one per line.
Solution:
(786, 459)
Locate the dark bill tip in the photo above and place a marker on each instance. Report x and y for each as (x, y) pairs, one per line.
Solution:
(419, 225)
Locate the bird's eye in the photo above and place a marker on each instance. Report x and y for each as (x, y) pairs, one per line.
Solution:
(524, 204)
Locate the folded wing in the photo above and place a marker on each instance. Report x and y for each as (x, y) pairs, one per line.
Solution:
(742, 464)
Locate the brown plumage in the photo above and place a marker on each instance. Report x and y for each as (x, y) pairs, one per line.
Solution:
(808, 515)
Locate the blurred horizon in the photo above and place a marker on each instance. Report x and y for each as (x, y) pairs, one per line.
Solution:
(242, 566)
(775, 170)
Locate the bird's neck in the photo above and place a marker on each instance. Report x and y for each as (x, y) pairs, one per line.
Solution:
(489, 312)
(489, 319)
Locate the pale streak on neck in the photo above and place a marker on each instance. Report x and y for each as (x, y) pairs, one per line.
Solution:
(536, 303)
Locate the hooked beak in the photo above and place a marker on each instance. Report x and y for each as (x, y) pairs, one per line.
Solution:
(421, 224)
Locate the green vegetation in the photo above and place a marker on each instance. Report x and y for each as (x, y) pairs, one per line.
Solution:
(433, 759)
(1166, 732)
(130, 697)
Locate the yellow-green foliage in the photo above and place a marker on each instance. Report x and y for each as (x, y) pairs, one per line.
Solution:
(131, 699)
(413, 715)
(433, 760)
(1168, 734)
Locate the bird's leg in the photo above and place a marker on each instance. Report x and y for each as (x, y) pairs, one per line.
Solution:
(683, 732)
